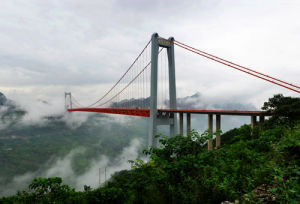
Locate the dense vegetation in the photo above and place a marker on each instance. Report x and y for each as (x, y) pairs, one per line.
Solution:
(181, 170)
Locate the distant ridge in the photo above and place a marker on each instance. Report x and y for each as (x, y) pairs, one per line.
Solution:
(3, 99)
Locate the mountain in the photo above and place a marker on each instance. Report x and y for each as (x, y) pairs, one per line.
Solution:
(195, 101)
(2, 99)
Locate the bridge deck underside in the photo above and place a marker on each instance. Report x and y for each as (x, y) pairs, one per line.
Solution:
(146, 112)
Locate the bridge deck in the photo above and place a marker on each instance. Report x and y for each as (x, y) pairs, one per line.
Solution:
(146, 112)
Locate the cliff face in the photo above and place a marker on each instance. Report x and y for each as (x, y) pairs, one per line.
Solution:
(2, 99)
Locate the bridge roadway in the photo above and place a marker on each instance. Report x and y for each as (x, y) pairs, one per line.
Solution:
(146, 112)
(169, 113)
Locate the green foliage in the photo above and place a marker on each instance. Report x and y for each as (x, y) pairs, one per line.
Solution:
(285, 110)
(178, 146)
(181, 170)
(43, 190)
(49, 188)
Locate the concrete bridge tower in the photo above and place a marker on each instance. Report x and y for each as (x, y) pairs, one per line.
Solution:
(157, 119)
(68, 100)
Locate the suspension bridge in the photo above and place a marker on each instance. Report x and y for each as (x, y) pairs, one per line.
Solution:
(148, 89)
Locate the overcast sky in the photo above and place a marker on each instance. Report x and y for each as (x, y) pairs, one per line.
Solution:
(51, 46)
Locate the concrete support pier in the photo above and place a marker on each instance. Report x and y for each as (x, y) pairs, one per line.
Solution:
(181, 123)
(188, 123)
(253, 121)
(210, 131)
(218, 129)
(253, 114)
(261, 119)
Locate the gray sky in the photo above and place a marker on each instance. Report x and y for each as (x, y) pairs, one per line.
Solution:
(47, 47)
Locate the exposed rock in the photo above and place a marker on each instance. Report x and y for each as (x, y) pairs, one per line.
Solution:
(260, 194)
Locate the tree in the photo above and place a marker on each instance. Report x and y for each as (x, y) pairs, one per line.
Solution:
(44, 190)
(285, 110)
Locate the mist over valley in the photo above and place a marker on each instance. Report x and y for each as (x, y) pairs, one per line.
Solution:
(79, 146)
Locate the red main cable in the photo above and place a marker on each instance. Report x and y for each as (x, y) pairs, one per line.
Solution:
(177, 42)
(238, 68)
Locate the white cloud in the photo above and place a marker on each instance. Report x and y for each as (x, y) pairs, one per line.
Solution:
(71, 43)
(102, 164)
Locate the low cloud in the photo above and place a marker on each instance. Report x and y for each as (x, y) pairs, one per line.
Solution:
(101, 168)
(102, 164)
(75, 119)
(18, 183)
